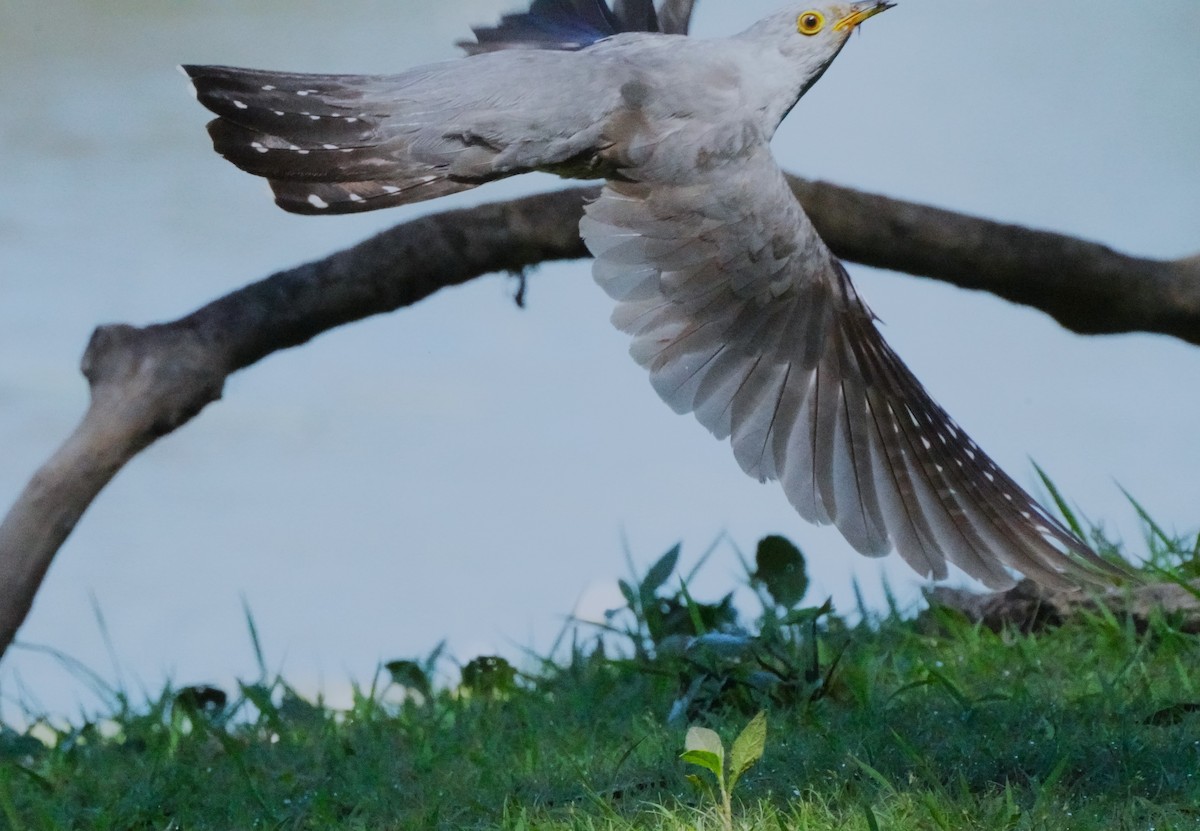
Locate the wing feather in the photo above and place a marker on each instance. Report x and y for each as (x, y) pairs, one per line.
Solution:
(744, 317)
(564, 25)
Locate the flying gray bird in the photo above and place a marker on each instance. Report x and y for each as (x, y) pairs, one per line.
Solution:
(737, 308)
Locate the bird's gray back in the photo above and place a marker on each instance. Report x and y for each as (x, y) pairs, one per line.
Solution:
(616, 101)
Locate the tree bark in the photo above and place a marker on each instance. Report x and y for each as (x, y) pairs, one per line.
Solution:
(147, 382)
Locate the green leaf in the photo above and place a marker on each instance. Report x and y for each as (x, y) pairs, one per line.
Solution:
(693, 610)
(627, 592)
(807, 615)
(872, 823)
(879, 778)
(780, 567)
(260, 696)
(703, 748)
(431, 661)
(748, 747)
(701, 738)
(702, 785)
(410, 675)
(705, 759)
(659, 572)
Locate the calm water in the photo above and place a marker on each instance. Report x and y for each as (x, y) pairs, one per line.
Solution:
(464, 469)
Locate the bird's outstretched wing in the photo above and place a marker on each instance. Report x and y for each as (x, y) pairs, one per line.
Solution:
(564, 24)
(743, 316)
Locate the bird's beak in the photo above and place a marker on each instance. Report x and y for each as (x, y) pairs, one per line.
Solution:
(861, 12)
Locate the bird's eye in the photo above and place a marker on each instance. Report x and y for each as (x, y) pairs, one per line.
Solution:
(810, 23)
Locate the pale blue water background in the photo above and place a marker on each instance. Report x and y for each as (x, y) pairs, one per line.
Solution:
(463, 469)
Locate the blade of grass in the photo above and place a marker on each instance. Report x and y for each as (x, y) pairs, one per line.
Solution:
(255, 643)
(1068, 515)
(708, 552)
(693, 609)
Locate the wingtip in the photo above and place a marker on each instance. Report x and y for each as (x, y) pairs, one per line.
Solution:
(186, 70)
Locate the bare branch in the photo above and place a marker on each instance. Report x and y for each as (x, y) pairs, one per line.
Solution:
(1085, 286)
(147, 382)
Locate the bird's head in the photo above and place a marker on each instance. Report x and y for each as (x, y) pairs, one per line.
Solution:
(820, 29)
(809, 34)
(835, 21)
(816, 30)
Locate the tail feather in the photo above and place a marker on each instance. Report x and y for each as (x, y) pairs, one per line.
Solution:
(305, 129)
(326, 156)
(326, 143)
(316, 198)
(232, 92)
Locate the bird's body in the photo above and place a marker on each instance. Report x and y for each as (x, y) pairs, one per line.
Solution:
(737, 308)
(367, 142)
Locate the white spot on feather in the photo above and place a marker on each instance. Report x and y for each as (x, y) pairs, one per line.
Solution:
(317, 202)
(354, 197)
(268, 87)
(390, 189)
(259, 146)
(278, 112)
(240, 105)
(351, 120)
(330, 146)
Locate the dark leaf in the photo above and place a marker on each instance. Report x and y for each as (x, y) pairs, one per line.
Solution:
(780, 567)
(659, 573)
(202, 698)
(1173, 714)
(488, 675)
(410, 675)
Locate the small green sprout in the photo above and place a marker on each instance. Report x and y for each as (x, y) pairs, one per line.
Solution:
(703, 748)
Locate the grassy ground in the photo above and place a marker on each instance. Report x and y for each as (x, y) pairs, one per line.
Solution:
(932, 723)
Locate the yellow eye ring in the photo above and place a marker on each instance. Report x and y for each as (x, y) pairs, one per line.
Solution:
(810, 22)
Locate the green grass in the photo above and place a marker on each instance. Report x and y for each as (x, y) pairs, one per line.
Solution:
(932, 723)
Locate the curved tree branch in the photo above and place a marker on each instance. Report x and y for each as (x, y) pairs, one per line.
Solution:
(147, 382)
(1085, 286)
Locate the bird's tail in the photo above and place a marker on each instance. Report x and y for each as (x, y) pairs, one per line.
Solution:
(325, 143)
